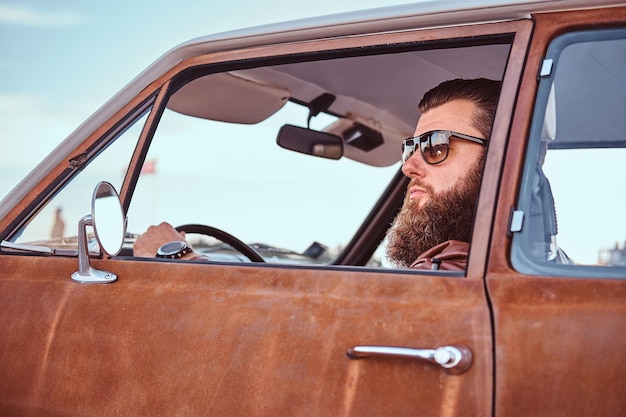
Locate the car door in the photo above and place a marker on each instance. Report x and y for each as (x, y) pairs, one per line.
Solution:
(228, 338)
(559, 311)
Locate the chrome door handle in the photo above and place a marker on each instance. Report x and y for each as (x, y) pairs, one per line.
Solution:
(453, 359)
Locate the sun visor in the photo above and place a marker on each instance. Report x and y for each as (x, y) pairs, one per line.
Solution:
(228, 98)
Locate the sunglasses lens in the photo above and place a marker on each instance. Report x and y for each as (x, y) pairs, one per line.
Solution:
(408, 148)
(434, 147)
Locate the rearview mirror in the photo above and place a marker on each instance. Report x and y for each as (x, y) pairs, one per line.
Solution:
(310, 142)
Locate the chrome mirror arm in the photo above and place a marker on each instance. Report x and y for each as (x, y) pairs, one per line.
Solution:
(86, 274)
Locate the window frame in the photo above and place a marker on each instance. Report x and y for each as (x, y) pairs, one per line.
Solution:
(520, 259)
(370, 234)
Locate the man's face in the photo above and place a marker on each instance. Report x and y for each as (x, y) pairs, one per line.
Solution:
(440, 199)
(455, 116)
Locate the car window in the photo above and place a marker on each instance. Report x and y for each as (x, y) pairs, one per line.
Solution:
(570, 216)
(56, 224)
(216, 160)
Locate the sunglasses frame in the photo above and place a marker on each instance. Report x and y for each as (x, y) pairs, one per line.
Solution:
(426, 137)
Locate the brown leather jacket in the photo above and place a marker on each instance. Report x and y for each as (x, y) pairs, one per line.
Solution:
(447, 256)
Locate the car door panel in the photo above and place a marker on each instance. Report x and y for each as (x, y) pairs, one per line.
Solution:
(575, 344)
(237, 340)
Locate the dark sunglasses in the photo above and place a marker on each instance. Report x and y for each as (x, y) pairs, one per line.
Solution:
(434, 145)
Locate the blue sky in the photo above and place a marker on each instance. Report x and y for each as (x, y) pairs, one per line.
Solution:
(61, 60)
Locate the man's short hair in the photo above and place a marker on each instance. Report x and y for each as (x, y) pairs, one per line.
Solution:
(481, 91)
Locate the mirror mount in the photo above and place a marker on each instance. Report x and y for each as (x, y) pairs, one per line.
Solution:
(106, 204)
(318, 105)
(86, 274)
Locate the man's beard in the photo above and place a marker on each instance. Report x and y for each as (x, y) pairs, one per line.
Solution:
(445, 216)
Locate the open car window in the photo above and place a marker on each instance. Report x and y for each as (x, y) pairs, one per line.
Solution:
(213, 155)
(215, 160)
(570, 218)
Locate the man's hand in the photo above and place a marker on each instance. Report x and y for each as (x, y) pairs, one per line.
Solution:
(147, 244)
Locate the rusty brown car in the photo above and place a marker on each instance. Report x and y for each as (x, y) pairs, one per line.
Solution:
(277, 149)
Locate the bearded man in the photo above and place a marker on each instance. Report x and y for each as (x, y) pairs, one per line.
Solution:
(444, 162)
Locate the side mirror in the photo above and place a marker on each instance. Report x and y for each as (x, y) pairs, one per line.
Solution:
(310, 142)
(109, 225)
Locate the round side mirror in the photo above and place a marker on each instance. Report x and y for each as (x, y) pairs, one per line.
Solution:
(109, 222)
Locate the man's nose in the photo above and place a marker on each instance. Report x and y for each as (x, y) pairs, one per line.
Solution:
(414, 166)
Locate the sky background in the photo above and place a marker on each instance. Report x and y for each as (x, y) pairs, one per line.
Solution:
(61, 60)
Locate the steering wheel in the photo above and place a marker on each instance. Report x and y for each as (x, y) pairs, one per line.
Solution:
(227, 238)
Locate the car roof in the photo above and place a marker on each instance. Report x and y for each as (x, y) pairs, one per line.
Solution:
(425, 14)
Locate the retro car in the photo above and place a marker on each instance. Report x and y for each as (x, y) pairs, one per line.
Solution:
(277, 150)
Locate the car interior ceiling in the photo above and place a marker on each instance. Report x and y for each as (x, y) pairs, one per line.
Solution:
(394, 81)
